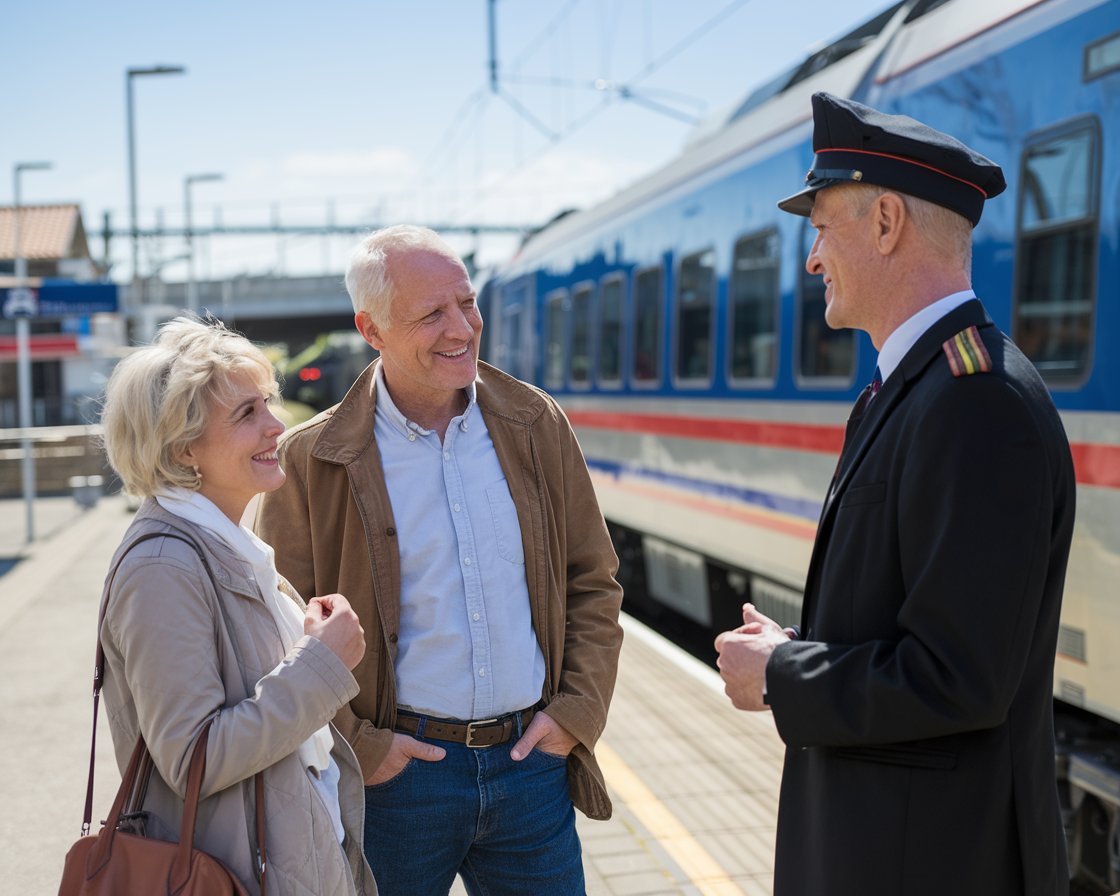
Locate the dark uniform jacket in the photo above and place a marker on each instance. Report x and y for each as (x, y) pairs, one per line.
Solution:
(917, 709)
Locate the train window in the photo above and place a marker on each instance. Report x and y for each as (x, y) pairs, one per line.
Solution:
(511, 333)
(581, 335)
(648, 305)
(1056, 251)
(610, 331)
(824, 354)
(556, 319)
(485, 302)
(753, 307)
(511, 330)
(1102, 57)
(695, 299)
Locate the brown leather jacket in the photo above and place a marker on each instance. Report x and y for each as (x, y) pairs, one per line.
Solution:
(332, 527)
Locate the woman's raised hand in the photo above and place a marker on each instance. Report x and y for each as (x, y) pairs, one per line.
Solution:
(332, 620)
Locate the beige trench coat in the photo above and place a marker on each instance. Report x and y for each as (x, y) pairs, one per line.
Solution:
(173, 661)
(331, 524)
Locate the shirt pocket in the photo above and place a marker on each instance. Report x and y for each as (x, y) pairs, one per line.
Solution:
(507, 530)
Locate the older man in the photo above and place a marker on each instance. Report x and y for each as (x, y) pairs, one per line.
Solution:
(451, 504)
(915, 700)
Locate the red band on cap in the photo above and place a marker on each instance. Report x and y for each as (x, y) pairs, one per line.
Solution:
(885, 155)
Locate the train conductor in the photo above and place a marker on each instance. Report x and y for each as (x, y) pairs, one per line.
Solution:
(915, 698)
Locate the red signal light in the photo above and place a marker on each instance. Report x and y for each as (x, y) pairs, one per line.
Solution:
(310, 374)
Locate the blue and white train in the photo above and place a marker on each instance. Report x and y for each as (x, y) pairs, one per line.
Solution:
(678, 327)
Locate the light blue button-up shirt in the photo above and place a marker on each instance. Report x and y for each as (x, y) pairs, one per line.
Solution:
(466, 647)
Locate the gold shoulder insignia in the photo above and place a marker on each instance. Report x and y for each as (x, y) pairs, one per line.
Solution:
(966, 353)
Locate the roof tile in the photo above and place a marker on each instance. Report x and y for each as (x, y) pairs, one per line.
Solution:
(48, 232)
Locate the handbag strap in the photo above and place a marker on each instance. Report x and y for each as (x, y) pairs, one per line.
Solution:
(99, 678)
(180, 873)
(141, 758)
(103, 848)
(181, 867)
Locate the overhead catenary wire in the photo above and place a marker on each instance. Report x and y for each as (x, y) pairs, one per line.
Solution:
(611, 92)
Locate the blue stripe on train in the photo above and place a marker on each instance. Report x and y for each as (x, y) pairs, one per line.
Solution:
(796, 507)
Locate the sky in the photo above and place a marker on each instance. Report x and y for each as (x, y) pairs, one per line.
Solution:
(369, 113)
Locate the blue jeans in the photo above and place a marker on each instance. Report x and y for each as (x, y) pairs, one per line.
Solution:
(508, 828)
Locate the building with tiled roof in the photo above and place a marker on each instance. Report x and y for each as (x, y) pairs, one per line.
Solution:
(53, 239)
(70, 296)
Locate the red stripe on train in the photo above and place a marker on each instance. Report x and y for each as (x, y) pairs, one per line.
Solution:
(1096, 464)
(802, 436)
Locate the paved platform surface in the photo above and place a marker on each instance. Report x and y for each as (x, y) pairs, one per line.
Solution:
(694, 782)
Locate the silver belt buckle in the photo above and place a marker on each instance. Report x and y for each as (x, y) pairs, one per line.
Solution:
(471, 726)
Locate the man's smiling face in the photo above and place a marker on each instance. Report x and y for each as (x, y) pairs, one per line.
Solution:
(429, 351)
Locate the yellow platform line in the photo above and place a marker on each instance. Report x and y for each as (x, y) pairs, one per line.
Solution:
(702, 870)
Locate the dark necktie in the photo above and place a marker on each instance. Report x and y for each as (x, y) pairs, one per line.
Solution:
(858, 410)
(869, 392)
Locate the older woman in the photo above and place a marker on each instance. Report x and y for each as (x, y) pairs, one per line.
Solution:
(204, 629)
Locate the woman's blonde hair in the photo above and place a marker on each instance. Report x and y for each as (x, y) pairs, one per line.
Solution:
(157, 400)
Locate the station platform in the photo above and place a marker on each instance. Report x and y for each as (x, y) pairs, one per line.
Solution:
(694, 781)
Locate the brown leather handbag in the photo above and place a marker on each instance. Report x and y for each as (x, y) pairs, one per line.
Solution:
(115, 861)
(119, 862)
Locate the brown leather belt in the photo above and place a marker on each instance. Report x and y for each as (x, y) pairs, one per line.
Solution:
(482, 733)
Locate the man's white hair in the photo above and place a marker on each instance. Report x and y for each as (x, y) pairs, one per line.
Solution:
(368, 279)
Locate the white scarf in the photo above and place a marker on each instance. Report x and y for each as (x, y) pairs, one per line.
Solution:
(315, 752)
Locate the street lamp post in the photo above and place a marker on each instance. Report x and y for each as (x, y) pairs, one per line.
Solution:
(192, 287)
(23, 349)
(136, 297)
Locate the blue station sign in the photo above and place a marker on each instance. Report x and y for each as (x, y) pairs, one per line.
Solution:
(59, 298)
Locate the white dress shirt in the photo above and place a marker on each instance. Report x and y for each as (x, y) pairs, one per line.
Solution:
(910, 330)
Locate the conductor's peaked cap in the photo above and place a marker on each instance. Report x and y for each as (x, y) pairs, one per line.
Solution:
(857, 144)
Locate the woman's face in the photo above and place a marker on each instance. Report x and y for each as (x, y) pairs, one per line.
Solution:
(236, 455)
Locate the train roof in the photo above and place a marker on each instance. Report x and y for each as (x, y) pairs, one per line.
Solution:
(777, 114)
(816, 61)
